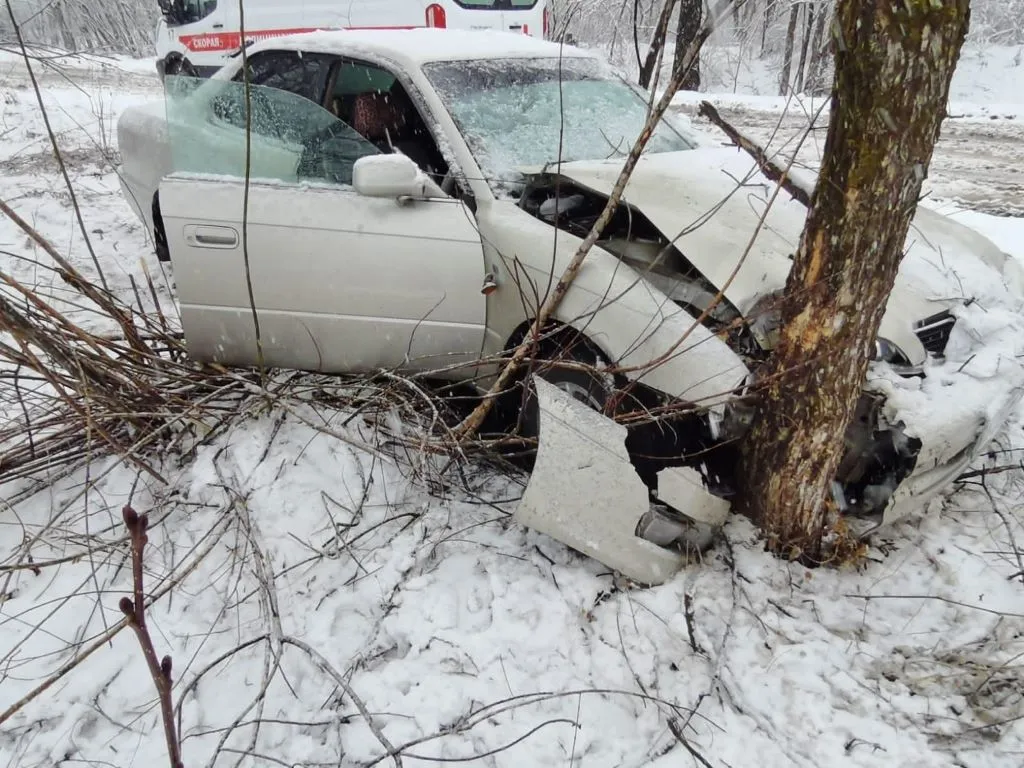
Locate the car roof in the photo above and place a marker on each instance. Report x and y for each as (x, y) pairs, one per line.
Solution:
(413, 47)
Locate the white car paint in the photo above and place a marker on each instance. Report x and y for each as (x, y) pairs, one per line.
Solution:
(350, 292)
(583, 490)
(640, 326)
(676, 191)
(350, 282)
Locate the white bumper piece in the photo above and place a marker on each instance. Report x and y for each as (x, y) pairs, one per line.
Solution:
(585, 493)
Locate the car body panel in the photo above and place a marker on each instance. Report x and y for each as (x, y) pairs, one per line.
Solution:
(949, 450)
(695, 198)
(341, 282)
(630, 320)
(145, 149)
(584, 492)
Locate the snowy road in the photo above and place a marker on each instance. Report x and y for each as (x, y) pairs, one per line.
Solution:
(977, 161)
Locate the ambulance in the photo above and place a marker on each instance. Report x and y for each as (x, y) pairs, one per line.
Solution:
(196, 37)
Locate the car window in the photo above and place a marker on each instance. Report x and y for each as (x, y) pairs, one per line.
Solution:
(292, 138)
(304, 74)
(373, 100)
(354, 77)
(516, 113)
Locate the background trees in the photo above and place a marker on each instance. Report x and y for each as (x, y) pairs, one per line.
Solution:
(756, 30)
(114, 26)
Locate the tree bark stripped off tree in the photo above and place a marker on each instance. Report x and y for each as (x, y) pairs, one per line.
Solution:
(893, 66)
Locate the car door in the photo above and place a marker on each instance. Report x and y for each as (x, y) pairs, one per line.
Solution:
(340, 282)
(206, 118)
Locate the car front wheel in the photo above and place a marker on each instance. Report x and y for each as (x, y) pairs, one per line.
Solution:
(571, 365)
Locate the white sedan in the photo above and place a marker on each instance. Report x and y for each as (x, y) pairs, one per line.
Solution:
(407, 209)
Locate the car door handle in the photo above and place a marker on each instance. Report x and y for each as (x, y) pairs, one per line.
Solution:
(211, 237)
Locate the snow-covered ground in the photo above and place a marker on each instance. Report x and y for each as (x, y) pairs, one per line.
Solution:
(977, 162)
(463, 636)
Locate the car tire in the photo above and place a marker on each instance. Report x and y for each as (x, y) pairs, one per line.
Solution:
(163, 251)
(585, 386)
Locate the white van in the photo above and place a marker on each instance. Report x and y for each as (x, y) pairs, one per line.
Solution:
(197, 37)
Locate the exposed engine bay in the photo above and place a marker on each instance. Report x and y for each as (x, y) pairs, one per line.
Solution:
(878, 456)
(634, 239)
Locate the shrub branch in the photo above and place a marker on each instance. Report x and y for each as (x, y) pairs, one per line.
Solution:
(134, 609)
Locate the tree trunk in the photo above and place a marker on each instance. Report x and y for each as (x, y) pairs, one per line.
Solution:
(656, 46)
(805, 44)
(787, 56)
(892, 71)
(769, 6)
(690, 12)
(815, 86)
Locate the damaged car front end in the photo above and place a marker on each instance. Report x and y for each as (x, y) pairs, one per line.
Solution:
(890, 466)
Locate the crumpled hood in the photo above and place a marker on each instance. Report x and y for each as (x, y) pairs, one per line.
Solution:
(711, 200)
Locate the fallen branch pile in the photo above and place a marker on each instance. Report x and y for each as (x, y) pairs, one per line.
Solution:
(116, 382)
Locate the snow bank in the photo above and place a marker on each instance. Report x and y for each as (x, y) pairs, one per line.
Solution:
(988, 83)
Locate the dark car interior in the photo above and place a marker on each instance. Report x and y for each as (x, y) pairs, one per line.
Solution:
(368, 99)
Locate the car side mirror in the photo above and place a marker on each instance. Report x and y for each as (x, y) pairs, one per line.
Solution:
(390, 176)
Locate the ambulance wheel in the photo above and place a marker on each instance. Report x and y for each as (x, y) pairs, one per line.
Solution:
(179, 66)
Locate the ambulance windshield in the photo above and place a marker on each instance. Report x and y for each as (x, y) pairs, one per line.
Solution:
(179, 12)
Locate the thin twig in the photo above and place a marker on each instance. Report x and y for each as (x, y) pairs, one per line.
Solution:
(134, 611)
(326, 667)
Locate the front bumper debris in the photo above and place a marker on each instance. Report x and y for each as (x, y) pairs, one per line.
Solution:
(946, 455)
(585, 493)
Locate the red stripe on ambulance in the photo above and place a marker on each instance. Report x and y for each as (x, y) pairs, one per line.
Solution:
(211, 42)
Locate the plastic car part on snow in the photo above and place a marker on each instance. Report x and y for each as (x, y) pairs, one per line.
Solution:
(585, 493)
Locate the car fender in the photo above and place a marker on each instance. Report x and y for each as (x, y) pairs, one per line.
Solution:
(633, 323)
(144, 143)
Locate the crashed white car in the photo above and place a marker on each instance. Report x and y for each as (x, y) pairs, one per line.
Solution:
(415, 195)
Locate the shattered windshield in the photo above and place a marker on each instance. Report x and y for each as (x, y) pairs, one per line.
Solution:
(529, 112)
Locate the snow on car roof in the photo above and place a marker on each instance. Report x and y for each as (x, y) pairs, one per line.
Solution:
(414, 47)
